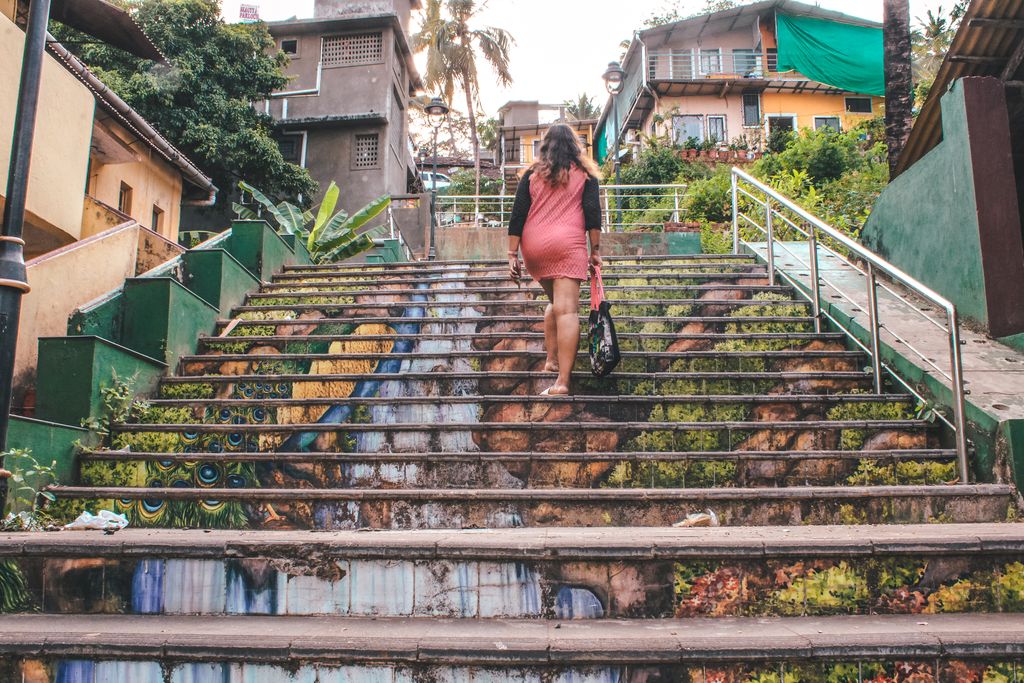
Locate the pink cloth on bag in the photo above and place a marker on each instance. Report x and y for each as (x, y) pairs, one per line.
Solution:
(554, 240)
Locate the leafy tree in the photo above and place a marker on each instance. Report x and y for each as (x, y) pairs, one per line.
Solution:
(463, 183)
(930, 41)
(582, 108)
(452, 44)
(202, 102)
(488, 132)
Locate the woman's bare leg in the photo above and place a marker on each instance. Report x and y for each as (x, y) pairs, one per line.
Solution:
(550, 328)
(566, 314)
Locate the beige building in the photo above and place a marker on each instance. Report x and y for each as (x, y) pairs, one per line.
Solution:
(521, 129)
(96, 163)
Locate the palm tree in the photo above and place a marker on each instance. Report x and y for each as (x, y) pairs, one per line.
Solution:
(899, 101)
(452, 45)
(582, 108)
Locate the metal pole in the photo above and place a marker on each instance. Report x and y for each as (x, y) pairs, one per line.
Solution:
(959, 410)
(874, 327)
(618, 179)
(675, 197)
(812, 244)
(13, 278)
(771, 240)
(735, 217)
(432, 254)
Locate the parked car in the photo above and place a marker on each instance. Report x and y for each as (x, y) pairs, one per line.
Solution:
(427, 177)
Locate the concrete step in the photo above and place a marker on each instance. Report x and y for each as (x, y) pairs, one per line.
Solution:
(306, 508)
(533, 469)
(533, 340)
(450, 383)
(672, 277)
(612, 292)
(563, 574)
(520, 360)
(528, 308)
(309, 324)
(616, 267)
(338, 649)
(458, 264)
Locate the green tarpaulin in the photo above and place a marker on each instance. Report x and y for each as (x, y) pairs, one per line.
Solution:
(841, 55)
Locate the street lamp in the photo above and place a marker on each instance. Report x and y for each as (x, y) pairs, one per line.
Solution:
(613, 82)
(437, 112)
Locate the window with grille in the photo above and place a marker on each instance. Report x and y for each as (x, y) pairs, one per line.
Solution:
(858, 105)
(353, 50)
(397, 125)
(366, 152)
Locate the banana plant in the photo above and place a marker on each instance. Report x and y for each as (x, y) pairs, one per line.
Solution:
(330, 236)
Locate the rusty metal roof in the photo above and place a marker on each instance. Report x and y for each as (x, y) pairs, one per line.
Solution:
(109, 23)
(990, 42)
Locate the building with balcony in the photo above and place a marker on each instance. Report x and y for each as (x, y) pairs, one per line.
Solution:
(718, 76)
(521, 129)
(344, 115)
(96, 163)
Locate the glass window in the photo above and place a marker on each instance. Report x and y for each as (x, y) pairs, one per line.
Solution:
(290, 46)
(858, 105)
(716, 128)
(687, 126)
(158, 219)
(751, 109)
(773, 59)
(832, 122)
(744, 62)
(124, 199)
(711, 61)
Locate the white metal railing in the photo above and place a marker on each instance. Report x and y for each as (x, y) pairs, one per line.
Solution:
(623, 207)
(770, 214)
(697, 64)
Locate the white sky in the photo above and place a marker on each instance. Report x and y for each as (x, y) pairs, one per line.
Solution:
(562, 46)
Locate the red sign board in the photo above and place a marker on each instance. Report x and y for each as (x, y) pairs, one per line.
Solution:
(249, 12)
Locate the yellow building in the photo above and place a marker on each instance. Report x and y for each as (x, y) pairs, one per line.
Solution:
(96, 163)
(521, 129)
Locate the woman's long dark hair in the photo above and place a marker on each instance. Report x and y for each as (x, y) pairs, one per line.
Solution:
(559, 153)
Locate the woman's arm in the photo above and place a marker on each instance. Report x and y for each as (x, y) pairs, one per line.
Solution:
(520, 211)
(521, 207)
(592, 219)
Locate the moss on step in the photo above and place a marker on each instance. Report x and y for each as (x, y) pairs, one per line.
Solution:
(875, 473)
(769, 304)
(853, 439)
(188, 391)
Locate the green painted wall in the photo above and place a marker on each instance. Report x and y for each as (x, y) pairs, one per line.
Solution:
(163, 319)
(259, 248)
(217, 277)
(49, 442)
(298, 247)
(926, 223)
(73, 370)
(102, 319)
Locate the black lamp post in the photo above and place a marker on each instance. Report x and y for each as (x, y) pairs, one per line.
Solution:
(13, 280)
(437, 112)
(613, 82)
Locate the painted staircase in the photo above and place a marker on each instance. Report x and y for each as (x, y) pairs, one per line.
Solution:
(471, 530)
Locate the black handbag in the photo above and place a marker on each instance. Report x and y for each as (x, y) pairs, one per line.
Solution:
(604, 345)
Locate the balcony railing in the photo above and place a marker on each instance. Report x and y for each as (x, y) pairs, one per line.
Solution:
(690, 65)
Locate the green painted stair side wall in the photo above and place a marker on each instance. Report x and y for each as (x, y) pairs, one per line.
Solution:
(217, 277)
(48, 442)
(73, 370)
(298, 248)
(162, 318)
(257, 247)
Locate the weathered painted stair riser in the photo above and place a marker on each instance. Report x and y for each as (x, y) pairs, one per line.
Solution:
(479, 532)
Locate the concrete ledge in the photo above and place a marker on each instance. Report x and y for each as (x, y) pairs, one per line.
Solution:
(566, 543)
(510, 642)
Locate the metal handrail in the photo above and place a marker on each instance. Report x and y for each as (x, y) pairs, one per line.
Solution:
(873, 266)
(499, 207)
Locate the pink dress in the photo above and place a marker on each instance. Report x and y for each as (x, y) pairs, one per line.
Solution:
(554, 241)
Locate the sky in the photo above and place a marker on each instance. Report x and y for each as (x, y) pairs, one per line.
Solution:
(562, 46)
